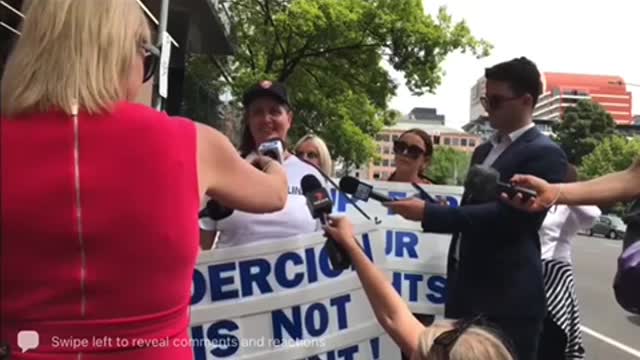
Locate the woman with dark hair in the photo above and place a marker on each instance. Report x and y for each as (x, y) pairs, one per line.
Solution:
(413, 151)
(267, 116)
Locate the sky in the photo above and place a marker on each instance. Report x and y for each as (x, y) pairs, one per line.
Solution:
(573, 36)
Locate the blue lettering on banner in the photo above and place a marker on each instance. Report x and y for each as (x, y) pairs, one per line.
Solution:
(340, 201)
(257, 276)
(405, 242)
(436, 284)
(375, 348)
(396, 195)
(438, 287)
(292, 325)
(342, 354)
(220, 333)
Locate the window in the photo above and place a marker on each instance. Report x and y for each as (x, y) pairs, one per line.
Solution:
(447, 141)
(357, 174)
(396, 137)
(392, 163)
(436, 139)
(385, 162)
(376, 175)
(386, 150)
(455, 142)
(472, 143)
(463, 142)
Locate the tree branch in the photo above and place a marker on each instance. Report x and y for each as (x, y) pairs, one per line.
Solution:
(226, 77)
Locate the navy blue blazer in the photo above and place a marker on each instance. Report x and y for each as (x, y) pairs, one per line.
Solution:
(498, 271)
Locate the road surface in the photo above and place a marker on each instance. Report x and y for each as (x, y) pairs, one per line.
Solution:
(609, 329)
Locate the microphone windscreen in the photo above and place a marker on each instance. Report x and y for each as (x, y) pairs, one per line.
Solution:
(349, 185)
(310, 183)
(481, 182)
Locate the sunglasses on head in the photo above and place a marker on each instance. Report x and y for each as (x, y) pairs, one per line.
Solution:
(442, 345)
(150, 61)
(411, 151)
(494, 102)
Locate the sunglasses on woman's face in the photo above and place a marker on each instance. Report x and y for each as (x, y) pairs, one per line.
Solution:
(150, 61)
(411, 151)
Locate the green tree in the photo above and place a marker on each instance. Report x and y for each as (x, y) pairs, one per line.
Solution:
(615, 153)
(331, 54)
(449, 166)
(582, 128)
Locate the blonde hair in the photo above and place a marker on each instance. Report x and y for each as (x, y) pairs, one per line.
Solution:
(73, 53)
(326, 164)
(475, 343)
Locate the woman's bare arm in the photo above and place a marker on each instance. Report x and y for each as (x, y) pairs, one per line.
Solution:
(226, 177)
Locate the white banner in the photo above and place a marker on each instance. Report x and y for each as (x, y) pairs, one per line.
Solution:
(282, 300)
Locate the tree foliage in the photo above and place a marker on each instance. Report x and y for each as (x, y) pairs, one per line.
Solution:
(615, 153)
(582, 129)
(330, 53)
(449, 166)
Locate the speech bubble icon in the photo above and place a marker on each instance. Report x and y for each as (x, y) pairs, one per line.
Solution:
(28, 340)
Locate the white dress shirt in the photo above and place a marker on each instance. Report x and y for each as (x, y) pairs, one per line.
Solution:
(561, 225)
(501, 143)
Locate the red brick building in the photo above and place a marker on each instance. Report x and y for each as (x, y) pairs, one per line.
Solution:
(565, 90)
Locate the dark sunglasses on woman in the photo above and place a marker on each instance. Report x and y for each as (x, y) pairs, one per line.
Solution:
(411, 151)
(150, 61)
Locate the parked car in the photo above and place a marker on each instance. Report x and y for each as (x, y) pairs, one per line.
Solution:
(610, 226)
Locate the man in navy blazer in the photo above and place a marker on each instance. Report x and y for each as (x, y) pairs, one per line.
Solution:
(494, 266)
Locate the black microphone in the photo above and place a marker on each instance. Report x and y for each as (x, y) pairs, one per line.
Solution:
(215, 211)
(320, 205)
(361, 191)
(483, 185)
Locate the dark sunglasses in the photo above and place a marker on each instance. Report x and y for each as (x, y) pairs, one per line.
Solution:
(150, 61)
(494, 102)
(402, 148)
(443, 344)
(308, 155)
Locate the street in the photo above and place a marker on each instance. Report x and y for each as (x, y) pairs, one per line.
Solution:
(608, 331)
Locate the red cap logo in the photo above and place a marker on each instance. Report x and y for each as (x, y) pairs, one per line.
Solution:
(265, 84)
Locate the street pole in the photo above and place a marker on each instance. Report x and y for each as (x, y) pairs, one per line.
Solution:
(162, 29)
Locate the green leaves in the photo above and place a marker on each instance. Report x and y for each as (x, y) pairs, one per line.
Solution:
(582, 128)
(330, 54)
(615, 153)
(449, 166)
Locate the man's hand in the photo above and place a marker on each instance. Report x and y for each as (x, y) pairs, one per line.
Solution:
(410, 209)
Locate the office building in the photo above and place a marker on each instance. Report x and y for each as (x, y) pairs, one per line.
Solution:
(426, 119)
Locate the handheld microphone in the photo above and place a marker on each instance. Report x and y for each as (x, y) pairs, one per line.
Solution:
(320, 205)
(215, 211)
(361, 191)
(484, 185)
(272, 148)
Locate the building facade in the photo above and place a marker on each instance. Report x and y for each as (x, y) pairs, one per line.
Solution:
(481, 128)
(562, 91)
(426, 119)
(196, 27)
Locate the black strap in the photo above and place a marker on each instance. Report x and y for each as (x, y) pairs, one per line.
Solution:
(328, 178)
